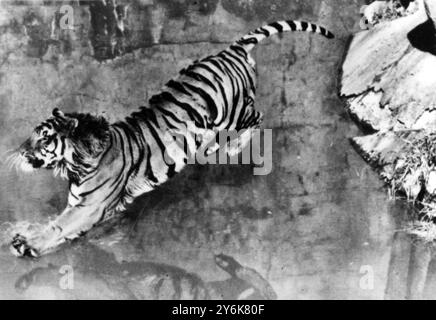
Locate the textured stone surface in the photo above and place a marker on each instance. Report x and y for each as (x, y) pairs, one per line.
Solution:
(390, 86)
(390, 89)
(308, 227)
(387, 80)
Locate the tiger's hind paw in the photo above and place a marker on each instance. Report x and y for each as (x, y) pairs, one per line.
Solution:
(20, 247)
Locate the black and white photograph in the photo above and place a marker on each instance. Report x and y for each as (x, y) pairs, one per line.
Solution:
(237, 150)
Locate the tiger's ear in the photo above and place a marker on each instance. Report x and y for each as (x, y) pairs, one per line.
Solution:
(69, 124)
(58, 113)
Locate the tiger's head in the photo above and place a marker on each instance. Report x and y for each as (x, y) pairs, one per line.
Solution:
(67, 143)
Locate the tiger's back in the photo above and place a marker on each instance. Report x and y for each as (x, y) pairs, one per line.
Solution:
(213, 94)
(110, 165)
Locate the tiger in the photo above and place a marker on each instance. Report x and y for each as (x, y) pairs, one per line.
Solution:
(109, 165)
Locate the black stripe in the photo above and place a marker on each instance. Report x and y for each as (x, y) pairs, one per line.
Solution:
(177, 86)
(53, 138)
(206, 97)
(71, 192)
(234, 71)
(130, 133)
(227, 73)
(243, 123)
(124, 158)
(150, 115)
(128, 130)
(235, 87)
(171, 167)
(252, 120)
(263, 31)
(103, 215)
(236, 97)
(218, 82)
(115, 188)
(118, 180)
(237, 71)
(242, 114)
(326, 33)
(204, 66)
(304, 25)
(140, 136)
(252, 40)
(192, 113)
(168, 123)
(45, 124)
(170, 114)
(96, 169)
(149, 171)
(186, 149)
(63, 144)
(277, 26)
(312, 27)
(323, 31)
(200, 78)
(266, 32)
(84, 194)
(292, 25)
(239, 50)
(53, 122)
(243, 64)
(224, 98)
(245, 110)
(215, 62)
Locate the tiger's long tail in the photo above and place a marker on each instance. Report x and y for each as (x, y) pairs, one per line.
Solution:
(250, 40)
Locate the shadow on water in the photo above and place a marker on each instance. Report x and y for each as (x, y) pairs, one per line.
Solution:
(97, 274)
(85, 271)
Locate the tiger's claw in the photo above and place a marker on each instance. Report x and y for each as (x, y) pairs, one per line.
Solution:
(20, 247)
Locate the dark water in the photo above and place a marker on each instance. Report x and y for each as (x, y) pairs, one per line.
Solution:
(89, 269)
(108, 265)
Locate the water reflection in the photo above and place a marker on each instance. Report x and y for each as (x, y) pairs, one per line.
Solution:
(412, 269)
(109, 264)
(85, 271)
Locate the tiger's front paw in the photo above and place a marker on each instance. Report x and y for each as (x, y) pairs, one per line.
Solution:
(21, 248)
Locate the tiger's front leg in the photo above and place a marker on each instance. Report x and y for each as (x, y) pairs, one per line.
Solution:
(73, 222)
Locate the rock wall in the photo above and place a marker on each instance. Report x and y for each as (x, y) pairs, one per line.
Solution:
(308, 227)
(389, 87)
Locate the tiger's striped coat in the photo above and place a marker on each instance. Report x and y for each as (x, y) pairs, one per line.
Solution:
(146, 149)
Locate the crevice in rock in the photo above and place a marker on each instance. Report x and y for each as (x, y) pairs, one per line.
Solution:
(109, 34)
